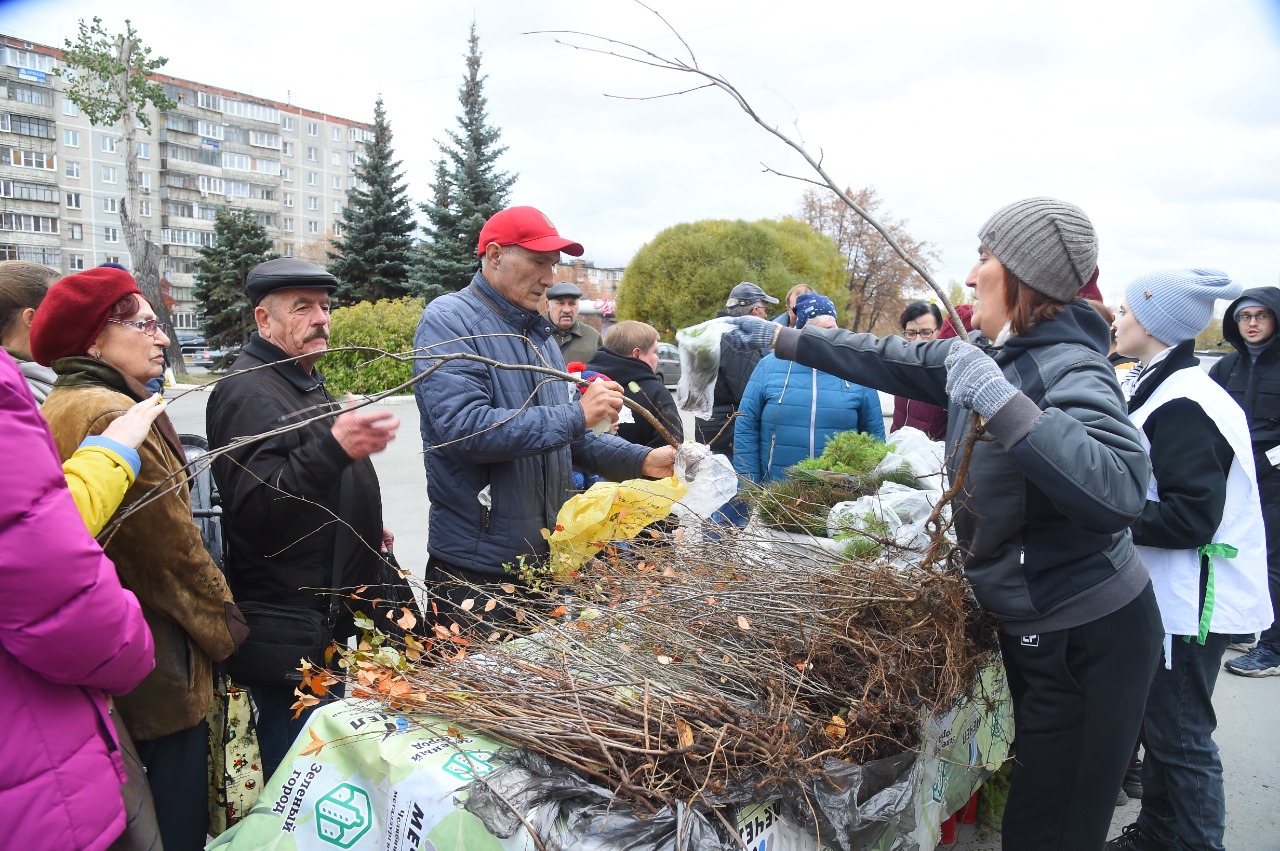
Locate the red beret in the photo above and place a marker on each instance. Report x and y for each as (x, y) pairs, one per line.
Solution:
(75, 310)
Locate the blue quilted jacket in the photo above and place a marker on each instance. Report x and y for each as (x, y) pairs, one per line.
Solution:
(500, 445)
(789, 411)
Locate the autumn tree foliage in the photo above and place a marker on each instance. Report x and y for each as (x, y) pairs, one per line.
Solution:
(109, 76)
(684, 274)
(878, 283)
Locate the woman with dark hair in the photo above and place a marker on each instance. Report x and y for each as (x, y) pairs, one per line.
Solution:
(1043, 517)
(101, 337)
(923, 321)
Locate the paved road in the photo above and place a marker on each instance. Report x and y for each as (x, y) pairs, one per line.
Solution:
(1247, 709)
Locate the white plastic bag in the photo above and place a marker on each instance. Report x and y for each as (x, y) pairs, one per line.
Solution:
(709, 477)
(699, 365)
(912, 448)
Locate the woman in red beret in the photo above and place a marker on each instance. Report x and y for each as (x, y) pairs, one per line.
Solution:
(101, 337)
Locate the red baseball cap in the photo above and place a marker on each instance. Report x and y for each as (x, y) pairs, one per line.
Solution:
(527, 227)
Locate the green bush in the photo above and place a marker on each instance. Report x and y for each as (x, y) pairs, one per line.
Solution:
(386, 325)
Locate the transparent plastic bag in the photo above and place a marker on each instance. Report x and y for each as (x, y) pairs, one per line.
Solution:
(911, 448)
(897, 513)
(699, 365)
(709, 477)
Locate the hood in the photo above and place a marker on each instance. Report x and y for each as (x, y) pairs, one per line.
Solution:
(620, 368)
(1079, 323)
(1270, 296)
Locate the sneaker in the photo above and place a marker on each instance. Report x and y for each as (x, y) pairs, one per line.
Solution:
(1261, 661)
(1243, 643)
(1132, 785)
(1133, 839)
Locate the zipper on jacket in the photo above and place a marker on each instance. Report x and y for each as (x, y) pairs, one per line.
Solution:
(764, 474)
(813, 414)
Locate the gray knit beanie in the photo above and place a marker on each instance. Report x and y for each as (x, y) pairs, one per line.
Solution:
(1048, 244)
(1177, 305)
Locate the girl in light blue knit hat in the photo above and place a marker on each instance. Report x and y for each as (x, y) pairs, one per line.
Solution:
(1202, 538)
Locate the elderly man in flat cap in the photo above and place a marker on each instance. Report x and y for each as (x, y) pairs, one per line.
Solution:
(577, 340)
(280, 496)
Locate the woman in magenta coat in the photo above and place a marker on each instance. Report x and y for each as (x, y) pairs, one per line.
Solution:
(69, 636)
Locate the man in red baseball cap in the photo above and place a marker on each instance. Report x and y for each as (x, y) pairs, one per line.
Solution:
(501, 444)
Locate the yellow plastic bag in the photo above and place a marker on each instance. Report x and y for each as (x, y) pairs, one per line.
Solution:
(608, 511)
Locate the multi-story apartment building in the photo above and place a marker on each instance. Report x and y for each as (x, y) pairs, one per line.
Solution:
(62, 180)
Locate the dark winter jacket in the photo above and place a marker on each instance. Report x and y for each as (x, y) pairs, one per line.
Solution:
(500, 445)
(158, 553)
(1045, 512)
(641, 385)
(789, 412)
(280, 496)
(735, 371)
(1256, 388)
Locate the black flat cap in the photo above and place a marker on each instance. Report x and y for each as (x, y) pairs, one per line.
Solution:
(286, 273)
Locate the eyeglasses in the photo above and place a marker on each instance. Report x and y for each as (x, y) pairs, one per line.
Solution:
(924, 335)
(146, 326)
(1259, 316)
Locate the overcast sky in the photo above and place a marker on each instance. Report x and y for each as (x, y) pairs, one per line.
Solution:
(1160, 119)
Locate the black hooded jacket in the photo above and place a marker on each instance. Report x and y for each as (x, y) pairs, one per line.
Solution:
(641, 385)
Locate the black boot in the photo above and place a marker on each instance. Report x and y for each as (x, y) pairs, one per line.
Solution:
(1132, 784)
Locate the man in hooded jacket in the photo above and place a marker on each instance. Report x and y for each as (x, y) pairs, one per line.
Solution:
(1251, 374)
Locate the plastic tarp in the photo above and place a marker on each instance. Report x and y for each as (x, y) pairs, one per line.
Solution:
(361, 778)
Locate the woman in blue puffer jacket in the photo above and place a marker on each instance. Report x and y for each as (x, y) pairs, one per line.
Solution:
(789, 411)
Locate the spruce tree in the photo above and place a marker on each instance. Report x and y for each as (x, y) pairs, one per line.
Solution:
(467, 191)
(372, 258)
(222, 273)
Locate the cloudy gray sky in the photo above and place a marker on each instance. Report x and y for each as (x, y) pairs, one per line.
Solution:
(1160, 119)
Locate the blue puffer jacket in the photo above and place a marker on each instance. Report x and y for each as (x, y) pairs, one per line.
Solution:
(788, 413)
(507, 437)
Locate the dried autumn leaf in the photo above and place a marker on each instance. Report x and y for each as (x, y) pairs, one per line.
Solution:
(409, 621)
(558, 611)
(546, 534)
(467, 604)
(317, 744)
(455, 733)
(837, 728)
(507, 588)
(684, 733)
(490, 604)
(743, 623)
(679, 535)
(668, 571)
(664, 660)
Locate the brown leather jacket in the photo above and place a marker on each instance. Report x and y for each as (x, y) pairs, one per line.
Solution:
(157, 552)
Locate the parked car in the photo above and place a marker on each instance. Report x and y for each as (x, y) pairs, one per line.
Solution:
(668, 364)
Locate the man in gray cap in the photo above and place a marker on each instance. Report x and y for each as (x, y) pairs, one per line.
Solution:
(736, 366)
(281, 495)
(578, 341)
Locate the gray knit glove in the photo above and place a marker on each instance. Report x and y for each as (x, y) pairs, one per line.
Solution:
(751, 333)
(975, 381)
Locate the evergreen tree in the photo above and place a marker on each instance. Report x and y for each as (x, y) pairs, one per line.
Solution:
(372, 258)
(468, 189)
(222, 273)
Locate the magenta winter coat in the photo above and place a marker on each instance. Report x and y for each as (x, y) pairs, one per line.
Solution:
(68, 634)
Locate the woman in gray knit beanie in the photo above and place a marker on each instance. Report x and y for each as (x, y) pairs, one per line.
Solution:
(1042, 519)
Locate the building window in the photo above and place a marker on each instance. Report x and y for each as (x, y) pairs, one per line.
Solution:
(73, 200)
(288, 249)
(337, 134)
(28, 223)
(110, 205)
(73, 169)
(337, 206)
(74, 231)
(287, 149)
(108, 144)
(313, 227)
(144, 150)
(110, 234)
(313, 154)
(313, 178)
(286, 122)
(75, 262)
(313, 129)
(144, 208)
(71, 138)
(28, 125)
(337, 182)
(109, 174)
(337, 229)
(286, 174)
(288, 199)
(69, 107)
(30, 159)
(313, 203)
(144, 181)
(112, 258)
(288, 224)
